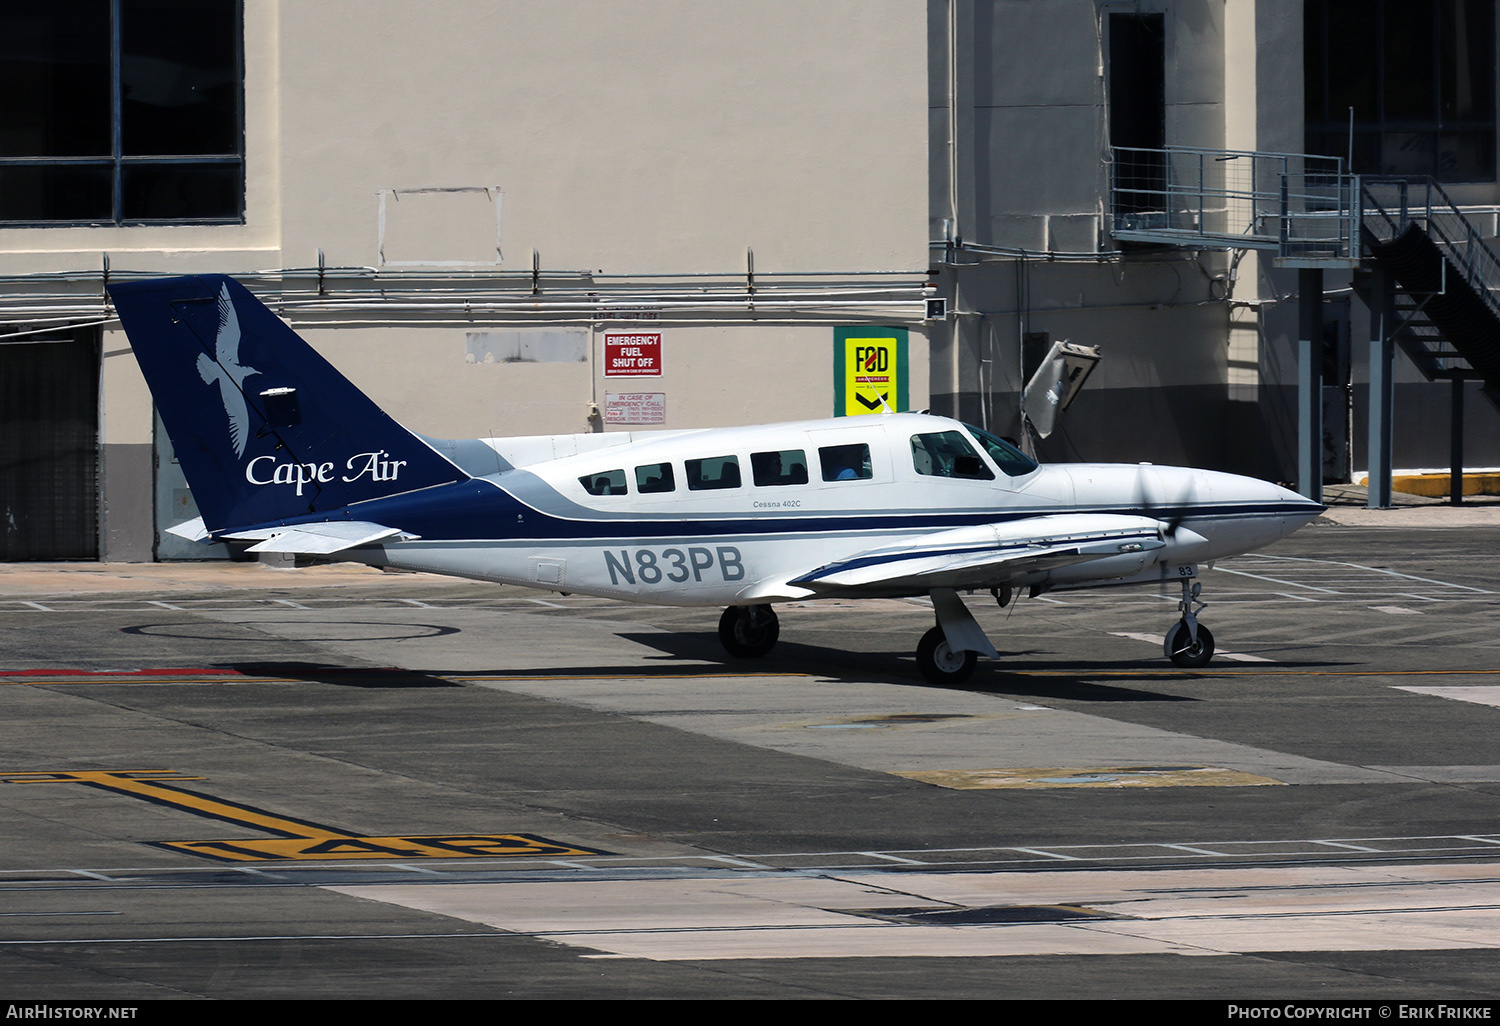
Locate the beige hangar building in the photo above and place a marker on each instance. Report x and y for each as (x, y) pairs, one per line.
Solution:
(470, 206)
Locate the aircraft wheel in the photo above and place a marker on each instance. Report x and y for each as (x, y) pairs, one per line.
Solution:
(1186, 653)
(749, 631)
(939, 663)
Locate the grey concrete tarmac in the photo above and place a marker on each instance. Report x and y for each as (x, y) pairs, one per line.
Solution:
(1317, 814)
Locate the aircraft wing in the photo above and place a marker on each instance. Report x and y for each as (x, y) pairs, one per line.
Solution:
(316, 539)
(987, 555)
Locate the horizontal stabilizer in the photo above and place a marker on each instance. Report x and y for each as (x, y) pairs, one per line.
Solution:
(317, 539)
(193, 530)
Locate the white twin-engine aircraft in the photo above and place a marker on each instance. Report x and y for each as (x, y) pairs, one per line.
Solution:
(282, 451)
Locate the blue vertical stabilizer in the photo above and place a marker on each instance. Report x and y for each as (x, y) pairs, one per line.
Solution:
(265, 429)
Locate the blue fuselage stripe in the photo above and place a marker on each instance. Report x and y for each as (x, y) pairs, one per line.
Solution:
(479, 511)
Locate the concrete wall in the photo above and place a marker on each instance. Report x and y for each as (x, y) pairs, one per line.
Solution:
(1026, 104)
(616, 140)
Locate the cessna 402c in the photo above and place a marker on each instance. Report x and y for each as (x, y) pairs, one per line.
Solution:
(282, 451)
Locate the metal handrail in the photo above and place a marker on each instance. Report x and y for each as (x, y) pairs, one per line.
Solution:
(1443, 221)
(1294, 203)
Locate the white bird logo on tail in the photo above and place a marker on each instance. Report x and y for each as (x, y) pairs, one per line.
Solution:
(224, 368)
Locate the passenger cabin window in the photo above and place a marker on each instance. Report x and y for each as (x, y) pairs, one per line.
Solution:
(846, 462)
(787, 467)
(713, 472)
(947, 454)
(1007, 457)
(654, 477)
(611, 482)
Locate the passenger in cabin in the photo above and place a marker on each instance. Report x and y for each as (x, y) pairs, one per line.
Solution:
(846, 462)
(786, 467)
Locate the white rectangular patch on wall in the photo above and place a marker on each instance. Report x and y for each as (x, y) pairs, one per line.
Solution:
(530, 345)
(457, 227)
(635, 407)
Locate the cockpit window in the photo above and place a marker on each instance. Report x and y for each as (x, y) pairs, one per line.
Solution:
(611, 482)
(1007, 457)
(947, 454)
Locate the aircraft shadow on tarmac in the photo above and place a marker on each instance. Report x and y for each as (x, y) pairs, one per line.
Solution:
(897, 667)
(342, 676)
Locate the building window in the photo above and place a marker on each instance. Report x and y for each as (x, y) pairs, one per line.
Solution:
(1419, 76)
(121, 112)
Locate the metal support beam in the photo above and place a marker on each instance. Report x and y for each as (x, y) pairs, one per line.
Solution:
(1456, 440)
(1310, 383)
(1382, 388)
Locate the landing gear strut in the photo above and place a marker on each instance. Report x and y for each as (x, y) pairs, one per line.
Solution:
(948, 652)
(1189, 644)
(749, 631)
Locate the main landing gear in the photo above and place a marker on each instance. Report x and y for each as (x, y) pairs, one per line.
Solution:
(949, 651)
(940, 662)
(1189, 644)
(749, 631)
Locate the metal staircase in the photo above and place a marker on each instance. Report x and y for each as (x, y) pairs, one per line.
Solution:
(1447, 311)
(1430, 281)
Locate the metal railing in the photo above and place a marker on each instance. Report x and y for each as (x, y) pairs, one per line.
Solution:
(1300, 205)
(1390, 205)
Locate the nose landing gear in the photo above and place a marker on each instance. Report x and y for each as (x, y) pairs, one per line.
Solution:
(1189, 644)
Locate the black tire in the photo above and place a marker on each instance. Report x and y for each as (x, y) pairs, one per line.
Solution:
(939, 663)
(1185, 653)
(748, 632)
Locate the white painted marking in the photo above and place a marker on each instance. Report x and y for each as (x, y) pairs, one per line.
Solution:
(1259, 557)
(1353, 847)
(890, 858)
(1234, 657)
(1277, 580)
(1449, 906)
(1488, 631)
(1396, 610)
(1479, 694)
(1152, 638)
(544, 602)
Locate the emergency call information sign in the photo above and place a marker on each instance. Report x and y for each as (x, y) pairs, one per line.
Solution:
(869, 371)
(632, 354)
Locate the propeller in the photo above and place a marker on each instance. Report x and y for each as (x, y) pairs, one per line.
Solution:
(1154, 498)
(1166, 495)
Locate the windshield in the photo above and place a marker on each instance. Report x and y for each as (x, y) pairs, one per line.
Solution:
(1007, 457)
